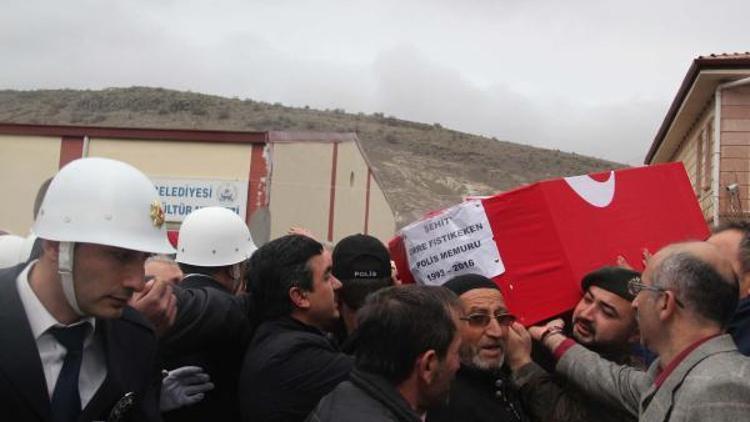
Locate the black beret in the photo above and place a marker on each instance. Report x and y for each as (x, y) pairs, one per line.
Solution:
(463, 283)
(612, 279)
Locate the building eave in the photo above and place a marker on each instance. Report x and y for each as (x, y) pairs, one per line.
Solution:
(134, 133)
(709, 71)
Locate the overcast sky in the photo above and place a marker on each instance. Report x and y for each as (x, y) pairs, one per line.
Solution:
(590, 76)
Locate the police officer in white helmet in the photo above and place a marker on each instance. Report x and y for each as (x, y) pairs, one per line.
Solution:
(12, 250)
(213, 245)
(212, 248)
(72, 348)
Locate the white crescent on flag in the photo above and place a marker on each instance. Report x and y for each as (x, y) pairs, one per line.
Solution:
(598, 194)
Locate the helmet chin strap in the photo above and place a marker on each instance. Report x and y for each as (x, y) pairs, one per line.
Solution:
(65, 269)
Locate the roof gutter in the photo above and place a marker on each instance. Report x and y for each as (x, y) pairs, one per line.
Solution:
(715, 185)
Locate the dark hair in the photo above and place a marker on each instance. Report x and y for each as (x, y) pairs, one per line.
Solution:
(354, 291)
(276, 267)
(194, 269)
(699, 286)
(40, 194)
(399, 323)
(743, 227)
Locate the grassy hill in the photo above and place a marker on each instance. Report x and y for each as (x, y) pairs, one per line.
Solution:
(422, 167)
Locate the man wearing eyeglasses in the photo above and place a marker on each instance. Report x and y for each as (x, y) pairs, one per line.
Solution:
(482, 389)
(684, 302)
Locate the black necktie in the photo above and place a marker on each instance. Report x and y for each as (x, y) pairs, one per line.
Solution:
(66, 401)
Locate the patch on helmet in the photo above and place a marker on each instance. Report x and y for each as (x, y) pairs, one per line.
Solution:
(157, 214)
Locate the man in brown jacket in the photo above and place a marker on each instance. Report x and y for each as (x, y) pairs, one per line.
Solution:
(604, 322)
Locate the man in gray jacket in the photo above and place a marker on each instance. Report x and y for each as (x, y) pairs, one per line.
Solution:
(684, 301)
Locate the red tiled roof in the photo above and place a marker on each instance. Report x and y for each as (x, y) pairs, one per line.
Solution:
(712, 61)
(744, 55)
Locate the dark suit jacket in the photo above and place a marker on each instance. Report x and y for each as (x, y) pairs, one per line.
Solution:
(208, 318)
(212, 312)
(476, 396)
(739, 326)
(130, 352)
(288, 368)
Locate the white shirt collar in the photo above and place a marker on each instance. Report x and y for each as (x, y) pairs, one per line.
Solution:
(40, 319)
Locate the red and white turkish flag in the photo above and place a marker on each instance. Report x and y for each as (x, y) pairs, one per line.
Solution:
(548, 235)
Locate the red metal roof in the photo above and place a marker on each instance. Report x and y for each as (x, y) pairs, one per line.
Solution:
(134, 133)
(175, 134)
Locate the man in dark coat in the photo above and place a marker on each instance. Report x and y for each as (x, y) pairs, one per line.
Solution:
(72, 348)
(406, 359)
(739, 326)
(129, 341)
(213, 245)
(733, 241)
(363, 265)
(291, 362)
(482, 390)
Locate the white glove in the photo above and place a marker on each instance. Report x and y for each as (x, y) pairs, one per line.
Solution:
(184, 386)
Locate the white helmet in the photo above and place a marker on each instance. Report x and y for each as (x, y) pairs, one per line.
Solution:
(100, 201)
(11, 250)
(214, 237)
(103, 201)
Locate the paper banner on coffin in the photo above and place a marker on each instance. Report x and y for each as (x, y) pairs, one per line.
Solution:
(550, 234)
(455, 241)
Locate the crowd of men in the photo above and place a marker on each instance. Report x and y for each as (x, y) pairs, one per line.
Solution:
(104, 320)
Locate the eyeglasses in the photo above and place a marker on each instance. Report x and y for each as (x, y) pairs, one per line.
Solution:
(635, 286)
(483, 320)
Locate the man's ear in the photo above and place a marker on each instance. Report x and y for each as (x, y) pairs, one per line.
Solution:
(745, 286)
(427, 366)
(667, 305)
(51, 250)
(298, 297)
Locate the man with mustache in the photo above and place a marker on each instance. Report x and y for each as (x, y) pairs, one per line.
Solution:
(482, 389)
(603, 319)
(604, 322)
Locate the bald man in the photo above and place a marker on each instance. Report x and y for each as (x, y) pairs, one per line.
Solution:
(684, 301)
